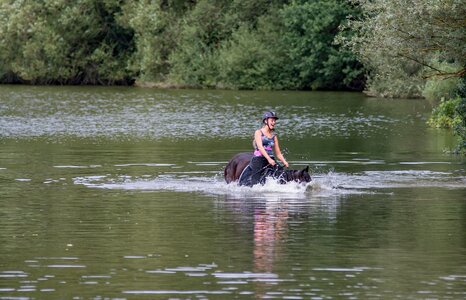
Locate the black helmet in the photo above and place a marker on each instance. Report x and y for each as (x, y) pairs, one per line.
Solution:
(269, 114)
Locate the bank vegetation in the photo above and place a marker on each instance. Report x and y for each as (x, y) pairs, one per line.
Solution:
(415, 48)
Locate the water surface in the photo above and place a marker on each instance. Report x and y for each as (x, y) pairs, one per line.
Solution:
(118, 193)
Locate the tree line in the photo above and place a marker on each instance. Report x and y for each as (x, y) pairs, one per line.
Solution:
(395, 48)
(238, 44)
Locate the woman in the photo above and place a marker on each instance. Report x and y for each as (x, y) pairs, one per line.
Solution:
(266, 149)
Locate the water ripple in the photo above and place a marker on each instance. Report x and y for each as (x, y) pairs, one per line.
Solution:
(160, 116)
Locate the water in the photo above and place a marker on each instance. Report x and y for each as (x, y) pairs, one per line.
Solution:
(118, 193)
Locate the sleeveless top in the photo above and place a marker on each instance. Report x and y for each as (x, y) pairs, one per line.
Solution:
(268, 144)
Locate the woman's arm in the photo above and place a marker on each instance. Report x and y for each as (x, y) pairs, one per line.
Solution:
(279, 153)
(258, 140)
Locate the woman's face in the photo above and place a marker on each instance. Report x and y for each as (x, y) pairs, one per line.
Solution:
(271, 122)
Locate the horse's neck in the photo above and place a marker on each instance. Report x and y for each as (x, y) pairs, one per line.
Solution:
(291, 175)
(286, 175)
(282, 174)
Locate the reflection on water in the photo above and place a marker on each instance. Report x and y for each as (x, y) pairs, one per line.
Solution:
(118, 193)
(269, 229)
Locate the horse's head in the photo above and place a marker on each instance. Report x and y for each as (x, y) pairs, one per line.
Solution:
(302, 175)
(294, 175)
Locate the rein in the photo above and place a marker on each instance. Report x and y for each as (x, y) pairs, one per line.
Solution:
(284, 176)
(276, 172)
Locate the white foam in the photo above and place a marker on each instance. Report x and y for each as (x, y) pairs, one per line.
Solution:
(331, 183)
(77, 167)
(208, 185)
(145, 165)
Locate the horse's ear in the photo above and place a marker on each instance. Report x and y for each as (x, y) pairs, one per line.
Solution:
(306, 169)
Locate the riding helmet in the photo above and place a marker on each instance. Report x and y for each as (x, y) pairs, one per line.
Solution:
(269, 114)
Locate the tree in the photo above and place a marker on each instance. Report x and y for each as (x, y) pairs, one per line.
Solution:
(64, 42)
(402, 42)
(156, 26)
(254, 58)
(262, 44)
(265, 45)
(202, 32)
(406, 43)
(309, 31)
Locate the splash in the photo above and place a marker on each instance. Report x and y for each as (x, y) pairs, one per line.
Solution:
(331, 183)
(206, 185)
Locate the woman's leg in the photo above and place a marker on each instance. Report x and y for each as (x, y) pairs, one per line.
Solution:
(257, 164)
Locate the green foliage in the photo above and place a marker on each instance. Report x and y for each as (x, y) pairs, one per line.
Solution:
(452, 114)
(396, 81)
(309, 32)
(277, 46)
(438, 87)
(262, 44)
(245, 63)
(405, 42)
(60, 42)
(254, 58)
(221, 45)
(399, 40)
(445, 114)
(193, 60)
(154, 37)
(460, 128)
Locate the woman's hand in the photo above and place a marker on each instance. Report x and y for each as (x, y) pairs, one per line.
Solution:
(271, 162)
(285, 163)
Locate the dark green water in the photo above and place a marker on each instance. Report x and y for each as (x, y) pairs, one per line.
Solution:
(118, 193)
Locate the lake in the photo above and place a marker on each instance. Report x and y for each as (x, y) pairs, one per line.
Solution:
(118, 193)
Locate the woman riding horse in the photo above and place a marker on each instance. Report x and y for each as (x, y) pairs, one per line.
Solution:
(266, 144)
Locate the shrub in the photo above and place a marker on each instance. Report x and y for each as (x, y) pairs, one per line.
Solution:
(452, 114)
(445, 115)
(460, 128)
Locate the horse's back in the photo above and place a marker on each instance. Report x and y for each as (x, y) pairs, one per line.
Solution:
(236, 165)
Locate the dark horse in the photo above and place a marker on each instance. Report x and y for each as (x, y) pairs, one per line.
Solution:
(240, 161)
